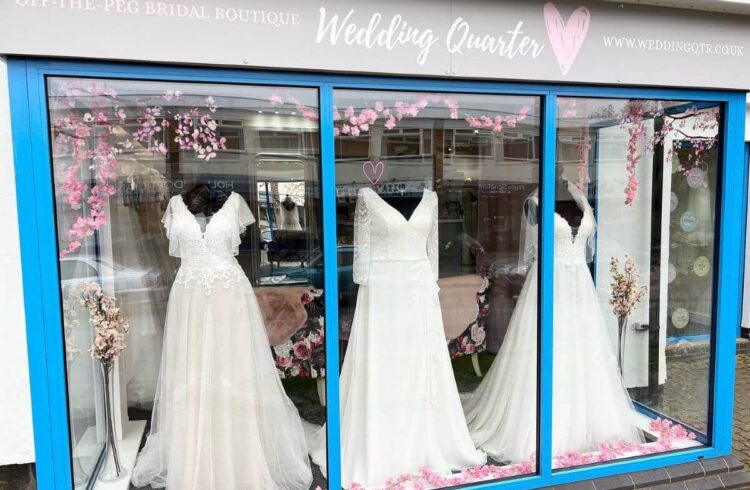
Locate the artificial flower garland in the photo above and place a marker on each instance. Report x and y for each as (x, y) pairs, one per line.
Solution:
(427, 478)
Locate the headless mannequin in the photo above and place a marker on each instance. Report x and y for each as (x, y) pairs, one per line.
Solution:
(200, 203)
(565, 204)
(288, 203)
(406, 205)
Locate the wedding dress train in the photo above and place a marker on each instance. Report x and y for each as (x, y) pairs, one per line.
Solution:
(590, 404)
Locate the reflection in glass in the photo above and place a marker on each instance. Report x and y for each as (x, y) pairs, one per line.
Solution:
(430, 192)
(198, 208)
(631, 370)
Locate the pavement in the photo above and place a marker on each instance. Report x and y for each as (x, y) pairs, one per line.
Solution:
(741, 435)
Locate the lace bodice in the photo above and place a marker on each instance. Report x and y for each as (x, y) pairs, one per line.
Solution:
(207, 254)
(383, 233)
(571, 249)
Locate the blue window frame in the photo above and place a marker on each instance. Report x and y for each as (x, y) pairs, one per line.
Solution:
(40, 267)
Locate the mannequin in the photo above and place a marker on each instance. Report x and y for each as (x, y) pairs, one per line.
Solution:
(565, 204)
(201, 203)
(198, 199)
(290, 215)
(288, 203)
(404, 204)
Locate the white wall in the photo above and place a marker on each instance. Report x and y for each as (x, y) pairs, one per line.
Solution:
(16, 438)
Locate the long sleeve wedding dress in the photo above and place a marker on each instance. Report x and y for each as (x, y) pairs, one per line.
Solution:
(400, 407)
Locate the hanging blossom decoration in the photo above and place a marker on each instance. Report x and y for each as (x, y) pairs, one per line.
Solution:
(676, 125)
(349, 122)
(584, 148)
(92, 136)
(110, 325)
(568, 108)
(633, 120)
(77, 132)
(277, 100)
(425, 478)
(194, 130)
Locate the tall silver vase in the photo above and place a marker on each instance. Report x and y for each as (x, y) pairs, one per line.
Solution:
(112, 469)
(622, 330)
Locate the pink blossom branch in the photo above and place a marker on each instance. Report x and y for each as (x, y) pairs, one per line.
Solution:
(633, 120)
(195, 130)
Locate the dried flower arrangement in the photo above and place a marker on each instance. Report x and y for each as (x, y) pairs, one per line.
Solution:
(626, 292)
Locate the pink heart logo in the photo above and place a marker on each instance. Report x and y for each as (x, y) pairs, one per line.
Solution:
(566, 38)
(373, 171)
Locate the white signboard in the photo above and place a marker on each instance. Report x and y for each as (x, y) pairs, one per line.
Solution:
(593, 42)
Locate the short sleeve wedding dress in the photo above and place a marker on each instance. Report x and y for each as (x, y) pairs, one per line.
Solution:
(221, 418)
(400, 407)
(590, 404)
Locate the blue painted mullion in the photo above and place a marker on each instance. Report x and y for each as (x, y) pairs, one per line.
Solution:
(40, 382)
(330, 269)
(51, 292)
(728, 293)
(36, 224)
(546, 281)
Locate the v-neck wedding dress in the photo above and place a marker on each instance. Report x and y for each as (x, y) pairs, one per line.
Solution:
(590, 404)
(221, 418)
(400, 408)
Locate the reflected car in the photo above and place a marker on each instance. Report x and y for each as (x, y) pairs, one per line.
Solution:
(78, 270)
(314, 270)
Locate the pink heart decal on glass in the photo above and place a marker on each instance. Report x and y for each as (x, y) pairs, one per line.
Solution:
(373, 171)
(566, 38)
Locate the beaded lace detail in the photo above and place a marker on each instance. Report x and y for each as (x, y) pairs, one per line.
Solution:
(203, 248)
(208, 256)
(571, 249)
(206, 278)
(361, 264)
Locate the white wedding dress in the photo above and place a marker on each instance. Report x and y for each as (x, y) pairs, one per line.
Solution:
(290, 218)
(590, 404)
(221, 418)
(400, 407)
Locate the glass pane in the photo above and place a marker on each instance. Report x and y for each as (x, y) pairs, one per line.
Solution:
(431, 191)
(191, 213)
(634, 241)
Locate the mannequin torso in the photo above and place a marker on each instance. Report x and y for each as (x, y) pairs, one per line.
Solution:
(404, 204)
(565, 205)
(199, 201)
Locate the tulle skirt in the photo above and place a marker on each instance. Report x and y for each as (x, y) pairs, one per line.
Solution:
(590, 404)
(221, 418)
(400, 407)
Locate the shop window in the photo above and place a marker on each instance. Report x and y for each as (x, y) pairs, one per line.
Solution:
(429, 220)
(192, 213)
(635, 200)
